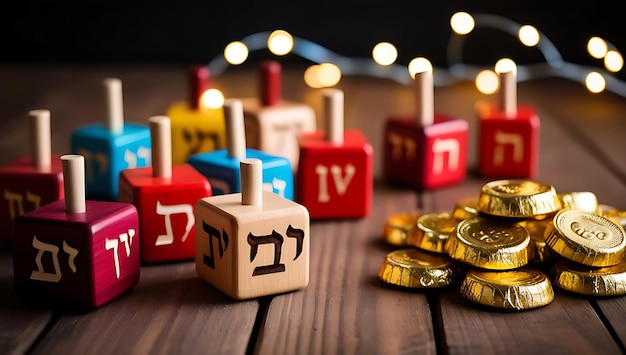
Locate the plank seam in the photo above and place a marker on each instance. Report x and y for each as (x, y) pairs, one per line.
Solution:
(608, 325)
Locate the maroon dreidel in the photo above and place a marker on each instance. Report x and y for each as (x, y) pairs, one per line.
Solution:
(75, 252)
(508, 134)
(335, 174)
(30, 182)
(164, 195)
(428, 150)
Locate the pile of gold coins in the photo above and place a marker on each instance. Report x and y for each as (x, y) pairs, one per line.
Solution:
(510, 245)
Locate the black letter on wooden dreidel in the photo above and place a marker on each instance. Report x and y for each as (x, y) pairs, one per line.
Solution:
(210, 260)
(255, 241)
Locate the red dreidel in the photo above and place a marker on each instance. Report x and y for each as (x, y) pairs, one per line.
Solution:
(253, 243)
(335, 176)
(196, 128)
(76, 252)
(508, 134)
(164, 195)
(428, 150)
(273, 124)
(30, 182)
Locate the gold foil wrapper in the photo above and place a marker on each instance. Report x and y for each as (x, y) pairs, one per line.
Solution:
(518, 198)
(586, 238)
(587, 280)
(466, 208)
(614, 214)
(399, 227)
(414, 268)
(490, 244)
(518, 289)
(585, 200)
(539, 251)
(434, 229)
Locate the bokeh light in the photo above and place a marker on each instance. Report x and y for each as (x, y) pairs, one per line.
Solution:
(322, 75)
(528, 35)
(597, 47)
(595, 82)
(236, 53)
(212, 99)
(384, 53)
(487, 82)
(613, 61)
(462, 23)
(505, 65)
(419, 65)
(280, 42)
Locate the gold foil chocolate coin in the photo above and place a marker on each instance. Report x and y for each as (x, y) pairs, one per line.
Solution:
(518, 198)
(399, 227)
(465, 208)
(586, 238)
(414, 268)
(434, 231)
(585, 200)
(519, 289)
(490, 243)
(587, 280)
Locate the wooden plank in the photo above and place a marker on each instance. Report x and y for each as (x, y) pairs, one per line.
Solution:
(170, 311)
(614, 311)
(20, 324)
(346, 308)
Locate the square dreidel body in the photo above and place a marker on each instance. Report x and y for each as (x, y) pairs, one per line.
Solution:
(273, 124)
(249, 249)
(164, 196)
(30, 182)
(222, 167)
(508, 137)
(197, 127)
(335, 174)
(78, 259)
(427, 150)
(111, 147)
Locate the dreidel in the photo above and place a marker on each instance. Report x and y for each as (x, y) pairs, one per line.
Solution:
(221, 167)
(164, 195)
(198, 123)
(426, 150)
(30, 182)
(272, 123)
(335, 176)
(111, 146)
(508, 139)
(253, 243)
(76, 252)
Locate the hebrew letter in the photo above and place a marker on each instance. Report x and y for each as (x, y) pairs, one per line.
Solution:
(103, 162)
(273, 238)
(130, 158)
(209, 260)
(501, 139)
(40, 274)
(15, 203)
(341, 185)
(72, 252)
(441, 146)
(410, 146)
(322, 172)
(124, 238)
(112, 244)
(34, 198)
(298, 234)
(277, 186)
(167, 211)
(396, 146)
(145, 154)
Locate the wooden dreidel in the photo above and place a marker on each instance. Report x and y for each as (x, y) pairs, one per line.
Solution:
(427, 150)
(111, 147)
(253, 243)
(273, 124)
(30, 182)
(335, 176)
(221, 167)
(508, 135)
(76, 252)
(164, 195)
(197, 126)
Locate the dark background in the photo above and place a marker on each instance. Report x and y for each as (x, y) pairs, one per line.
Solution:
(195, 31)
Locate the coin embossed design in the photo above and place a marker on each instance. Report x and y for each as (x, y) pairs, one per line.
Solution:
(586, 238)
(490, 244)
(518, 198)
(414, 268)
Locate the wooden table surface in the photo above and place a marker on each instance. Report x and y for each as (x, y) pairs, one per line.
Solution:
(345, 309)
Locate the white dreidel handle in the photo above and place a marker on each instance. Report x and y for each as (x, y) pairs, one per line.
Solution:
(424, 91)
(74, 182)
(40, 141)
(235, 129)
(333, 114)
(161, 140)
(115, 105)
(251, 171)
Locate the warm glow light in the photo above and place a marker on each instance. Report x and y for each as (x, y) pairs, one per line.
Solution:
(597, 47)
(528, 35)
(487, 82)
(595, 82)
(462, 23)
(419, 65)
(311, 77)
(280, 42)
(212, 99)
(236, 53)
(505, 65)
(613, 61)
(322, 75)
(384, 53)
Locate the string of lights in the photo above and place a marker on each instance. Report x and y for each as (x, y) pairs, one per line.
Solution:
(329, 66)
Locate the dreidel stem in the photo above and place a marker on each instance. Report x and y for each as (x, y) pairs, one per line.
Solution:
(235, 129)
(333, 114)
(74, 182)
(161, 140)
(40, 141)
(251, 171)
(115, 105)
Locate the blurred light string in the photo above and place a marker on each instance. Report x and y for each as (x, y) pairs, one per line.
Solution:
(554, 65)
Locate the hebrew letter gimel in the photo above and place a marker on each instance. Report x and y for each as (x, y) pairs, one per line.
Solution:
(273, 238)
